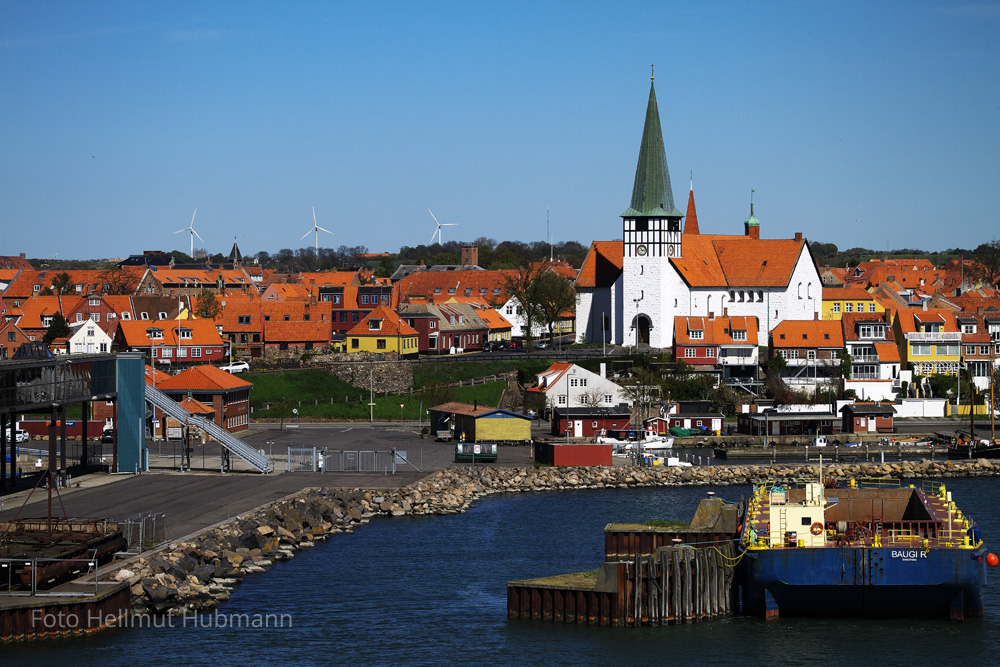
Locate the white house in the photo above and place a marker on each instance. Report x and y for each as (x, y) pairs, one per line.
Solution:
(88, 338)
(566, 385)
(667, 273)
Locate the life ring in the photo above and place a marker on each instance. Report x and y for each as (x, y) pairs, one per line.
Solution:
(816, 528)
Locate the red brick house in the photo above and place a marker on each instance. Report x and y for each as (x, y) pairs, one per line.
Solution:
(227, 395)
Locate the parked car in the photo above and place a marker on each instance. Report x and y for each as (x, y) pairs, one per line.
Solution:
(516, 344)
(541, 345)
(236, 367)
(108, 434)
(18, 435)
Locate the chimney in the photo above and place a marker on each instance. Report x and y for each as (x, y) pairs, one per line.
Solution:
(798, 236)
(815, 316)
(604, 370)
(725, 312)
(711, 315)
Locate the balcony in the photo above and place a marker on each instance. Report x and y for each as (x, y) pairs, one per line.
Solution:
(934, 337)
(864, 359)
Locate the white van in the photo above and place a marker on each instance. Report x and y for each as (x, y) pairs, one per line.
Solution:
(819, 441)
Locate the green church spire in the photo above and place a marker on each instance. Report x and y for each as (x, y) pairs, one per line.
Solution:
(651, 194)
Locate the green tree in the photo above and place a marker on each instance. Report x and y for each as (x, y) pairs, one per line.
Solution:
(62, 283)
(386, 267)
(986, 262)
(554, 296)
(57, 329)
(207, 305)
(521, 284)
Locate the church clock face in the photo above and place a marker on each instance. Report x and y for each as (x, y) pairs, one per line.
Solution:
(641, 250)
(670, 250)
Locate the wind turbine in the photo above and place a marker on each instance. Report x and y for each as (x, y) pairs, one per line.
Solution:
(437, 232)
(316, 229)
(190, 228)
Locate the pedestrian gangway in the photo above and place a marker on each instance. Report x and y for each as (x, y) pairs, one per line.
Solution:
(235, 446)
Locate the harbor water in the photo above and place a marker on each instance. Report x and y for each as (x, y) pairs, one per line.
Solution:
(431, 591)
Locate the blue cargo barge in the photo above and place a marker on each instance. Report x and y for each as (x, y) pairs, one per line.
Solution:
(876, 549)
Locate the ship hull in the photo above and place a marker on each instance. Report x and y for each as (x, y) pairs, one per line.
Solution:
(865, 581)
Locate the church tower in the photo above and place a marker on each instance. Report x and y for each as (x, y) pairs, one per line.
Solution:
(651, 234)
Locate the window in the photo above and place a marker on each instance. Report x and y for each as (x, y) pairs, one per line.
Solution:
(196, 352)
(96, 317)
(696, 334)
(163, 315)
(583, 382)
(947, 349)
(573, 382)
(79, 317)
(451, 290)
(836, 307)
(739, 335)
(608, 398)
(783, 354)
(921, 350)
(126, 316)
(690, 352)
(811, 355)
(984, 349)
(364, 299)
(343, 316)
(710, 352)
(93, 302)
(510, 310)
(90, 331)
(166, 352)
(355, 317)
(970, 349)
(104, 347)
(848, 307)
(354, 343)
(267, 318)
(36, 287)
(46, 320)
(793, 354)
(432, 324)
(286, 318)
(11, 336)
(871, 307)
(374, 325)
(111, 316)
(143, 316)
(496, 291)
(184, 334)
(182, 353)
(562, 399)
(380, 343)
(968, 328)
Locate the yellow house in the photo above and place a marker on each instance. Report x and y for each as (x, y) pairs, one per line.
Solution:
(382, 331)
(840, 300)
(932, 341)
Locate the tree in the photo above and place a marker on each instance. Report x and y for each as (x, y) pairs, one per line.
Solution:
(520, 284)
(386, 267)
(207, 305)
(985, 263)
(57, 329)
(119, 280)
(62, 283)
(643, 390)
(554, 296)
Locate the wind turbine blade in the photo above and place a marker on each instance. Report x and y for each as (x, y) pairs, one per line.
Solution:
(435, 219)
(192, 217)
(197, 234)
(306, 234)
(181, 230)
(449, 224)
(314, 216)
(435, 234)
(323, 230)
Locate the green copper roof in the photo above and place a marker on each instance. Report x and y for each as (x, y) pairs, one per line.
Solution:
(651, 194)
(752, 221)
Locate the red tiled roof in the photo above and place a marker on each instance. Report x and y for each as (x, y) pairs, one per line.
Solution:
(602, 265)
(297, 331)
(716, 331)
(203, 333)
(203, 378)
(808, 334)
(391, 325)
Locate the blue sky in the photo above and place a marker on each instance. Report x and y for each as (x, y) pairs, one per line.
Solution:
(867, 124)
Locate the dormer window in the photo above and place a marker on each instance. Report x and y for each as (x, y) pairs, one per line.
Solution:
(696, 334)
(968, 328)
(374, 325)
(93, 302)
(155, 334)
(46, 320)
(184, 334)
(163, 315)
(739, 335)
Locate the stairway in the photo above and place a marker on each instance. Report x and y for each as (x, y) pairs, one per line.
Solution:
(225, 438)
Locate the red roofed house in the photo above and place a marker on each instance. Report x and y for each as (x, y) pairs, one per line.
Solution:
(812, 352)
(667, 273)
(724, 346)
(173, 341)
(383, 331)
(227, 395)
(566, 385)
(875, 360)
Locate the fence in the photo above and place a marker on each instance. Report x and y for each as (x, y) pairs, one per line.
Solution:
(143, 531)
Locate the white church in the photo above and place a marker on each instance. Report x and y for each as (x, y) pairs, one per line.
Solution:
(629, 291)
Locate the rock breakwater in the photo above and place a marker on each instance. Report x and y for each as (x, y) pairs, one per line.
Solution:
(196, 574)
